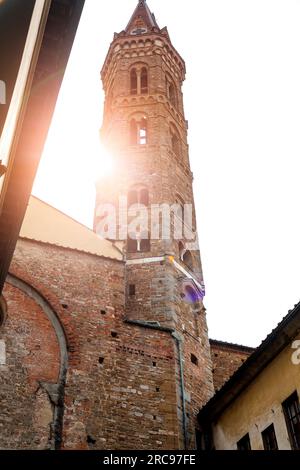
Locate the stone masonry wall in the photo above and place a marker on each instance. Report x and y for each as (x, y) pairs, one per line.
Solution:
(120, 390)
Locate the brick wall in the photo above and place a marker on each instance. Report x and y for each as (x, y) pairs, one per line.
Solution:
(32, 357)
(226, 359)
(120, 390)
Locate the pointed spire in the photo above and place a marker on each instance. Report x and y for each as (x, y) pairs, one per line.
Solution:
(142, 20)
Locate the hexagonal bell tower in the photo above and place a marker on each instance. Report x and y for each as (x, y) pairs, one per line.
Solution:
(146, 205)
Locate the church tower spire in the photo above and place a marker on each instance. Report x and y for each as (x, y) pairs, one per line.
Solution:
(145, 130)
(142, 20)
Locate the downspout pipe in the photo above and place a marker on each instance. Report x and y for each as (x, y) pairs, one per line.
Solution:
(178, 342)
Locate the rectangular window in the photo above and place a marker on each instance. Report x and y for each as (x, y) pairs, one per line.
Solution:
(143, 136)
(244, 443)
(131, 289)
(292, 418)
(269, 438)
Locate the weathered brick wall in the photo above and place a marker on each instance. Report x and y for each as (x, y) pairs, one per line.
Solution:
(226, 359)
(128, 400)
(120, 391)
(32, 357)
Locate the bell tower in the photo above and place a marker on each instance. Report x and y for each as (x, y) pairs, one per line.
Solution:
(146, 205)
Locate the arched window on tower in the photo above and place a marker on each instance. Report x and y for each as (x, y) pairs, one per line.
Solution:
(144, 197)
(181, 250)
(139, 243)
(172, 95)
(139, 195)
(188, 259)
(133, 197)
(139, 80)
(133, 82)
(171, 91)
(142, 136)
(144, 81)
(138, 132)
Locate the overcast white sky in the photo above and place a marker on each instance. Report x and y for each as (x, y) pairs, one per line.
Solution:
(242, 101)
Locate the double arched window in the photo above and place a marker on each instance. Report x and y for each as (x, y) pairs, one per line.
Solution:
(138, 242)
(139, 81)
(138, 131)
(139, 245)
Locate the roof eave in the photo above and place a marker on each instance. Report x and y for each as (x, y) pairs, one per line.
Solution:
(253, 366)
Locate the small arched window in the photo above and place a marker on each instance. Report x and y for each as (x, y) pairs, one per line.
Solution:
(144, 81)
(132, 197)
(172, 95)
(142, 134)
(144, 197)
(138, 196)
(188, 259)
(181, 250)
(138, 132)
(140, 244)
(171, 91)
(133, 82)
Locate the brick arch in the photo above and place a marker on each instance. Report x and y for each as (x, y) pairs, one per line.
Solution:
(55, 391)
(138, 115)
(139, 64)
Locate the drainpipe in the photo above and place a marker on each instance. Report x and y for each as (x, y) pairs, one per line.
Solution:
(178, 341)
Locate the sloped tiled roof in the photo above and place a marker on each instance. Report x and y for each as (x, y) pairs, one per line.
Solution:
(234, 346)
(142, 12)
(44, 223)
